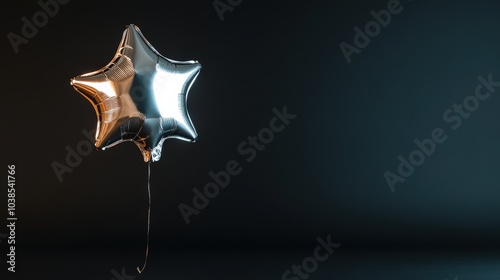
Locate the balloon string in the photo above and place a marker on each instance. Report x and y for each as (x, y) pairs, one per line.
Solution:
(149, 221)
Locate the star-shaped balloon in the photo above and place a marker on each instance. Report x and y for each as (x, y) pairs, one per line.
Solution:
(140, 96)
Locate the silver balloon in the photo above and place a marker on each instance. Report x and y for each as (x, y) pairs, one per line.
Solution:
(140, 96)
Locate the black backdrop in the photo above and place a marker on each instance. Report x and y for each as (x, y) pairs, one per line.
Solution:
(322, 175)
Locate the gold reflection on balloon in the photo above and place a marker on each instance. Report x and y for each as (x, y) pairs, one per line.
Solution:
(140, 96)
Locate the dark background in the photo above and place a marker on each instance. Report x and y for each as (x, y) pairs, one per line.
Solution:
(322, 175)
